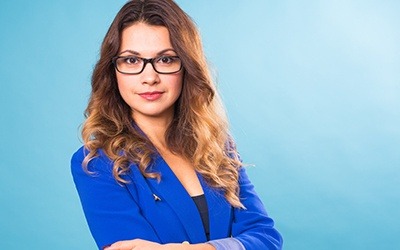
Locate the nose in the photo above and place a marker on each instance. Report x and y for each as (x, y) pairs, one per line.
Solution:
(149, 75)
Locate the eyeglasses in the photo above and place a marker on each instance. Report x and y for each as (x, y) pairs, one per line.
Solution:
(134, 65)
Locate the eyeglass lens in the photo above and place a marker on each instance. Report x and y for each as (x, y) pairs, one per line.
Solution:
(135, 65)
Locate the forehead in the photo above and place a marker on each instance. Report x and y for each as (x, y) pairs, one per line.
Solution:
(145, 39)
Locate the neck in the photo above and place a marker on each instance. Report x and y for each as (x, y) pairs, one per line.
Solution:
(154, 128)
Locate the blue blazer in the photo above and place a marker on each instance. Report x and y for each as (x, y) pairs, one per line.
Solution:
(163, 211)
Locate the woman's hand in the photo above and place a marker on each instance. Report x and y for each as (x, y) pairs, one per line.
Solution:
(136, 244)
(139, 244)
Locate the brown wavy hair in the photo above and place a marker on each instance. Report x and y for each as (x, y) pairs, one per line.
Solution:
(199, 129)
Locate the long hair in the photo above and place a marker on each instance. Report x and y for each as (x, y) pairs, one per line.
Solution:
(199, 129)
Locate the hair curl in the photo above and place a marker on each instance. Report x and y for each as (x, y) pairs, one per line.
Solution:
(199, 130)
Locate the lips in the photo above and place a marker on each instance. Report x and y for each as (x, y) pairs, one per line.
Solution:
(151, 96)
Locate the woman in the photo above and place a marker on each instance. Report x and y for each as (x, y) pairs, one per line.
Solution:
(158, 169)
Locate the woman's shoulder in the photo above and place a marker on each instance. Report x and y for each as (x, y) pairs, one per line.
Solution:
(79, 155)
(98, 163)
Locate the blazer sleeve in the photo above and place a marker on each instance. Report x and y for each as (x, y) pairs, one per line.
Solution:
(110, 209)
(252, 226)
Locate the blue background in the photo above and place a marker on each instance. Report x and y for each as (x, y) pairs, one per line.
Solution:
(312, 89)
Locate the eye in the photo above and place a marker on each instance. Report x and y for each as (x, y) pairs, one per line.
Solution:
(131, 60)
(166, 59)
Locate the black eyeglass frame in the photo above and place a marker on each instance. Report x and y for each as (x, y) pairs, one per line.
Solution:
(145, 62)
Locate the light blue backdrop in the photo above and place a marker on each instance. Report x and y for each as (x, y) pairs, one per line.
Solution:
(312, 89)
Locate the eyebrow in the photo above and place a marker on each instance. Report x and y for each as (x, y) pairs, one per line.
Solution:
(138, 54)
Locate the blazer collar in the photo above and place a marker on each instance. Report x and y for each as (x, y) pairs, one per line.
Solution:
(219, 211)
(171, 191)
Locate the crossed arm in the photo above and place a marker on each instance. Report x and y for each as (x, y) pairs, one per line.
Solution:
(251, 229)
(139, 244)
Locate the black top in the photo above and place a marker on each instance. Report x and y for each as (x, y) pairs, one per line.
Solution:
(201, 204)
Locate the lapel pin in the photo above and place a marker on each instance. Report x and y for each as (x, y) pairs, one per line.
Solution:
(156, 198)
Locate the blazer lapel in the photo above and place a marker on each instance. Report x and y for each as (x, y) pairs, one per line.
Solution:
(219, 210)
(171, 191)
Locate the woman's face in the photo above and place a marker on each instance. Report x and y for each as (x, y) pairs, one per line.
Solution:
(149, 94)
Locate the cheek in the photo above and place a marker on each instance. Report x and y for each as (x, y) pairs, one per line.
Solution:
(125, 88)
(121, 88)
(124, 83)
(177, 85)
(120, 83)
